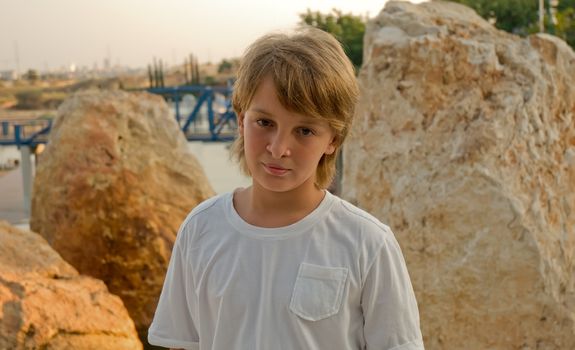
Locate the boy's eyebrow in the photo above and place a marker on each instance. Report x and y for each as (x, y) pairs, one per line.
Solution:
(305, 120)
(259, 110)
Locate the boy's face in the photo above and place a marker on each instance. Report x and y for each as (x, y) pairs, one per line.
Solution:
(282, 148)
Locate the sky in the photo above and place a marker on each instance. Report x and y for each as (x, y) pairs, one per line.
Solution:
(48, 34)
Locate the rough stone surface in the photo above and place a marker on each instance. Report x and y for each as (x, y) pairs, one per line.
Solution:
(46, 304)
(464, 143)
(111, 189)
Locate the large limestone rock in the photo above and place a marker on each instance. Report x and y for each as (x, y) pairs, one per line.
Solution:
(111, 189)
(465, 144)
(46, 304)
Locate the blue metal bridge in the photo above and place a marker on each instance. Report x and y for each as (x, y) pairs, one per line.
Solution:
(209, 117)
(27, 132)
(204, 113)
(214, 102)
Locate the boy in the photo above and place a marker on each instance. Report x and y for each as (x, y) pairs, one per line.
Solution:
(284, 264)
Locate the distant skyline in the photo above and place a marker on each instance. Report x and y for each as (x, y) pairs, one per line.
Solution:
(49, 34)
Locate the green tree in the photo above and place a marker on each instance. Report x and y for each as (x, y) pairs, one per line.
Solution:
(347, 28)
(565, 27)
(514, 16)
(522, 16)
(29, 99)
(32, 75)
(565, 5)
(225, 66)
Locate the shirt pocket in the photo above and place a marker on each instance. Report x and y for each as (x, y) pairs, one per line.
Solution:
(318, 291)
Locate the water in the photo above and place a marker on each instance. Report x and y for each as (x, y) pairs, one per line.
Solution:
(223, 174)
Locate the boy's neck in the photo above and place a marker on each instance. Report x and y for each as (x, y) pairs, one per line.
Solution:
(264, 208)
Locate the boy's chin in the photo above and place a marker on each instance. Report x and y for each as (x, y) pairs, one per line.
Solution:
(283, 185)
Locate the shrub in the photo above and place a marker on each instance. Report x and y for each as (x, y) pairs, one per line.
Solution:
(30, 99)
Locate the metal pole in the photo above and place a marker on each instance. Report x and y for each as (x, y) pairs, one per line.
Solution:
(4, 128)
(211, 112)
(17, 57)
(26, 166)
(177, 101)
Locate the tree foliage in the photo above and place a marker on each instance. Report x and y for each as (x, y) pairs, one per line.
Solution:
(225, 66)
(514, 16)
(565, 4)
(522, 16)
(29, 99)
(345, 27)
(565, 27)
(32, 75)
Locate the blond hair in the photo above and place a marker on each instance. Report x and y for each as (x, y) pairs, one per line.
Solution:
(312, 76)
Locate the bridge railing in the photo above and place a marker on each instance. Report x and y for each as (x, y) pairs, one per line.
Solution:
(221, 122)
(221, 119)
(31, 132)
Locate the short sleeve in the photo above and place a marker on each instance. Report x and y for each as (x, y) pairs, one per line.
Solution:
(173, 325)
(391, 316)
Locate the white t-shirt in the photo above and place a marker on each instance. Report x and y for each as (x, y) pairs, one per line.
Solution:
(334, 280)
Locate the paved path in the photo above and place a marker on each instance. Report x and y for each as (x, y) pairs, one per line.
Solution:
(12, 198)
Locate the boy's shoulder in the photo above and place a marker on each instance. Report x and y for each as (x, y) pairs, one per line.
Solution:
(358, 220)
(365, 235)
(205, 212)
(211, 203)
(350, 212)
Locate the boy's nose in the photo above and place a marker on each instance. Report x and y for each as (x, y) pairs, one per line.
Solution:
(279, 146)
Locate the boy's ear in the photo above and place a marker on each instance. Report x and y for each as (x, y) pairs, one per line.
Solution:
(332, 146)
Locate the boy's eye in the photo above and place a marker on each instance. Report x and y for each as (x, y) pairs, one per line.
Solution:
(263, 122)
(306, 132)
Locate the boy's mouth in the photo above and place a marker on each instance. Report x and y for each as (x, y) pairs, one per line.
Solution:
(275, 169)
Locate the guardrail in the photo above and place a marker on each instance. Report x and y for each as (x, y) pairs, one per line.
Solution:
(221, 122)
(222, 125)
(31, 132)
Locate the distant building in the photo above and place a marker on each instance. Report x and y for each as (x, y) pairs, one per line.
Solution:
(8, 75)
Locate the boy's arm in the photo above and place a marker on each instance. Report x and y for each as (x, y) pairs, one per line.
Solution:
(388, 302)
(174, 325)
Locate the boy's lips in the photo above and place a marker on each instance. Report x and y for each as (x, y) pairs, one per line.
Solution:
(275, 169)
